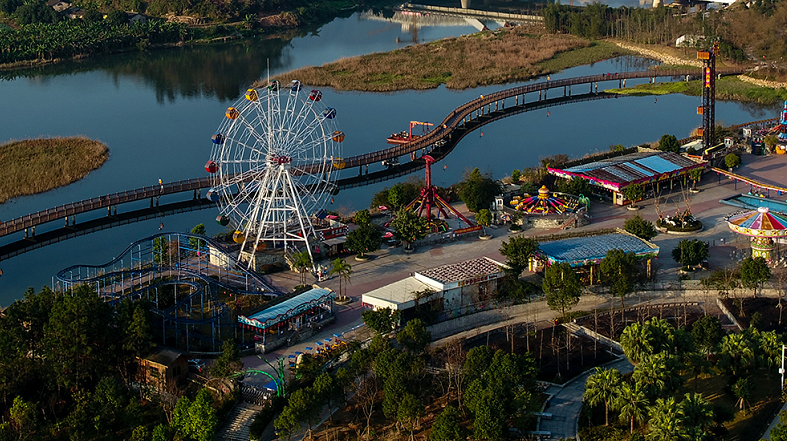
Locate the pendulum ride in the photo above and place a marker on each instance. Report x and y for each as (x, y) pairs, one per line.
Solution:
(429, 199)
(547, 203)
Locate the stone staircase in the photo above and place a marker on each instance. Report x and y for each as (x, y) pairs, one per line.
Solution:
(581, 330)
(236, 426)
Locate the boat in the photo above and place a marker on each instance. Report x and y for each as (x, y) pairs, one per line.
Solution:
(402, 137)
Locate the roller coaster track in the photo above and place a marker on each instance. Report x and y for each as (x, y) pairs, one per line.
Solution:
(439, 141)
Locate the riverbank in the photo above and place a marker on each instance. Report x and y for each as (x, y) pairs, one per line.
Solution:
(37, 165)
(727, 88)
(485, 58)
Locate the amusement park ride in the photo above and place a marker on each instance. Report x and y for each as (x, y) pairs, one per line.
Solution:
(272, 166)
(429, 199)
(708, 108)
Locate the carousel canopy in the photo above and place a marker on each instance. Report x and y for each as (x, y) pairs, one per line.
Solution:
(759, 223)
(288, 308)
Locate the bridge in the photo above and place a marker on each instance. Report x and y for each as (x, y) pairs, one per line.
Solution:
(755, 184)
(438, 142)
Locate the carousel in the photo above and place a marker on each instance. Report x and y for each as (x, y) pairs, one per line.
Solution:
(763, 226)
(547, 202)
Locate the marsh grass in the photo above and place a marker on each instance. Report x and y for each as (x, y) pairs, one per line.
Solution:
(727, 88)
(37, 165)
(485, 58)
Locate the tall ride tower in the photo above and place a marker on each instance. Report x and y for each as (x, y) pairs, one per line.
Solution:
(708, 108)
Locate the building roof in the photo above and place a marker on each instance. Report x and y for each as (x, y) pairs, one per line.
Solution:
(463, 270)
(164, 356)
(618, 172)
(288, 308)
(397, 295)
(578, 251)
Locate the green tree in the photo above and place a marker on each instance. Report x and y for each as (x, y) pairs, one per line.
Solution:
(562, 287)
(732, 160)
(576, 186)
(329, 390)
(695, 176)
(742, 391)
(410, 410)
(518, 252)
(690, 252)
(362, 217)
(229, 362)
(446, 426)
(35, 12)
(640, 227)
(414, 336)
(619, 271)
(198, 243)
(516, 175)
(180, 418)
(305, 406)
(140, 433)
(738, 353)
(161, 250)
(409, 227)
(364, 239)
(488, 411)
(484, 218)
(697, 414)
(161, 433)
(117, 17)
(632, 404)
(665, 423)
(24, 418)
(343, 269)
(754, 272)
(382, 320)
(779, 432)
(301, 262)
(634, 193)
(396, 196)
(771, 141)
(478, 190)
(669, 143)
(202, 417)
(636, 341)
(707, 333)
(603, 387)
(288, 422)
(657, 373)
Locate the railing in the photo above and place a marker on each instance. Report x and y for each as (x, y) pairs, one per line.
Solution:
(442, 132)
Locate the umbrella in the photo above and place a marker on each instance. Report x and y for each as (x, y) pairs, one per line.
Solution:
(337, 335)
(308, 349)
(388, 235)
(298, 352)
(318, 343)
(290, 356)
(328, 340)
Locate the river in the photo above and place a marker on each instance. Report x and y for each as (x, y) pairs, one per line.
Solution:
(157, 110)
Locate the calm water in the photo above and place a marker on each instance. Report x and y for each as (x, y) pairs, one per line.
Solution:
(157, 110)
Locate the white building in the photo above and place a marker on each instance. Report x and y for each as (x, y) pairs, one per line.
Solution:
(452, 286)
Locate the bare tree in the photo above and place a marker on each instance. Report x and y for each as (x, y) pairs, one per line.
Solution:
(367, 398)
(455, 358)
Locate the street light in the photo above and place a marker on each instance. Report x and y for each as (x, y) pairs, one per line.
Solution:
(781, 369)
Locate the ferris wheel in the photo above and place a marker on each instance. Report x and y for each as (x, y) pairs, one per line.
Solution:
(273, 166)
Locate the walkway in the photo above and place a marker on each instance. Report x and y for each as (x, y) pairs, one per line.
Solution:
(566, 402)
(767, 434)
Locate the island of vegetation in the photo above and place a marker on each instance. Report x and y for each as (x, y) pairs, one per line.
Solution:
(38, 165)
(493, 57)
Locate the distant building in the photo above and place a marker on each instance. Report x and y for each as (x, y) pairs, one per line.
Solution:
(58, 5)
(133, 18)
(689, 40)
(163, 367)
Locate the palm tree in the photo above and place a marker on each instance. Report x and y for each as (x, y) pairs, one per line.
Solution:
(656, 374)
(603, 387)
(696, 412)
(665, 421)
(343, 269)
(632, 404)
(737, 352)
(636, 342)
(300, 262)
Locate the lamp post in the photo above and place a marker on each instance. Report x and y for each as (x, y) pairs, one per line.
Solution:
(781, 369)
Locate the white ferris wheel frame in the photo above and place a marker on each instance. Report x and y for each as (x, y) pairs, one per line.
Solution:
(275, 165)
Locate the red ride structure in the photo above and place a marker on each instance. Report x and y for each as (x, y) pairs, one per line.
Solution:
(430, 199)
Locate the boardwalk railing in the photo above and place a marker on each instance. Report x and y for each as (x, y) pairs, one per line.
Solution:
(441, 134)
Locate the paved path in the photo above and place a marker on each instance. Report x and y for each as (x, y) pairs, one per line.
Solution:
(566, 403)
(767, 434)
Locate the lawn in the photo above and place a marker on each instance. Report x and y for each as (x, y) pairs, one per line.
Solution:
(727, 88)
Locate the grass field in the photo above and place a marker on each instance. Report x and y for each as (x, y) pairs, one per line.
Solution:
(38, 165)
(727, 88)
(492, 57)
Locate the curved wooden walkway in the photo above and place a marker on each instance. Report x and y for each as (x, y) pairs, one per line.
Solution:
(485, 109)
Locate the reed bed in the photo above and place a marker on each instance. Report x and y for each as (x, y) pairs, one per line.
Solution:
(485, 58)
(38, 165)
(727, 88)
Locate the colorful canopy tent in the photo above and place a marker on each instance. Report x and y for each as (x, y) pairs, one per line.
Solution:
(547, 202)
(763, 226)
(297, 309)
